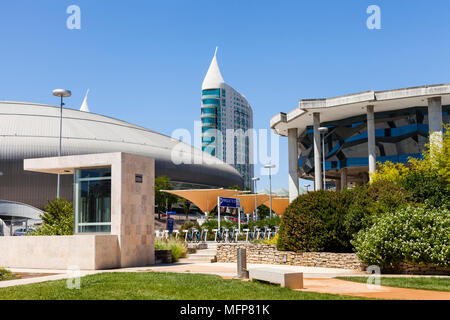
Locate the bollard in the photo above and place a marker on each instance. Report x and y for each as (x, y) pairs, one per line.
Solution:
(242, 272)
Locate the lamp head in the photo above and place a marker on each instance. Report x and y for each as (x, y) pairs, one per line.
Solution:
(63, 93)
(323, 129)
(256, 179)
(270, 166)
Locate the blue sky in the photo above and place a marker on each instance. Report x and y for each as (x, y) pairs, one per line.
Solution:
(144, 61)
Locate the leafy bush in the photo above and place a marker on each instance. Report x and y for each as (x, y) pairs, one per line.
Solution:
(427, 179)
(371, 201)
(189, 225)
(57, 219)
(269, 222)
(315, 222)
(271, 241)
(179, 249)
(6, 275)
(414, 234)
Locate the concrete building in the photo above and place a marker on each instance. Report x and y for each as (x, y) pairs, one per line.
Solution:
(30, 130)
(227, 115)
(113, 216)
(363, 129)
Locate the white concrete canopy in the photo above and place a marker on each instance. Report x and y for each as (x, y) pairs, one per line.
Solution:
(336, 108)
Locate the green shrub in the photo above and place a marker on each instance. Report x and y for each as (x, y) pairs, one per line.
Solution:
(57, 219)
(427, 179)
(6, 275)
(314, 222)
(271, 241)
(269, 222)
(179, 249)
(371, 201)
(189, 225)
(414, 234)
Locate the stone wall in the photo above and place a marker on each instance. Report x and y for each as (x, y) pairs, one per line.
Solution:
(412, 268)
(268, 254)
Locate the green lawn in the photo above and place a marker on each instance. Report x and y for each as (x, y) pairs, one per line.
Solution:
(158, 286)
(422, 283)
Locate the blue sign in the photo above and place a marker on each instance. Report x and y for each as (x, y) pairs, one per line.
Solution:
(229, 202)
(171, 213)
(170, 225)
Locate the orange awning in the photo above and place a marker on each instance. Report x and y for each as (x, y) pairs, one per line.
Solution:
(279, 205)
(204, 199)
(248, 201)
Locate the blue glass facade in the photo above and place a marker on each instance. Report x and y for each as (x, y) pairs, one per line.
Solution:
(399, 135)
(210, 119)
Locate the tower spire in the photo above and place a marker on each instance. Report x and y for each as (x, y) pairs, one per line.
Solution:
(213, 78)
(84, 106)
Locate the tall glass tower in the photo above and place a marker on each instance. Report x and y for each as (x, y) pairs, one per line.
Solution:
(226, 122)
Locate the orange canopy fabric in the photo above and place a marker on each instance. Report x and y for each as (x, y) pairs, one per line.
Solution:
(279, 205)
(204, 199)
(248, 201)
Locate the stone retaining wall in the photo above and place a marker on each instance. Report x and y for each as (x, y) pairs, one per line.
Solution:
(268, 254)
(412, 268)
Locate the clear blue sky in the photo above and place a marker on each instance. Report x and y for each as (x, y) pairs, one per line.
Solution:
(145, 60)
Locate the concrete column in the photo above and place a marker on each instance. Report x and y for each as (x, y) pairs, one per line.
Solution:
(338, 184)
(435, 119)
(343, 178)
(293, 164)
(317, 154)
(371, 139)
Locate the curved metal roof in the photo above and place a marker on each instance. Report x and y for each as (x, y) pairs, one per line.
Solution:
(19, 210)
(30, 130)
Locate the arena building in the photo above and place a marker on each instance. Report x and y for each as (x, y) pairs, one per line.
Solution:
(31, 130)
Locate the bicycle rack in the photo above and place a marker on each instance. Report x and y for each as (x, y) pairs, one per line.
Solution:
(204, 232)
(246, 231)
(236, 233)
(186, 234)
(176, 233)
(267, 231)
(226, 234)
(215, 237)
(194, 235)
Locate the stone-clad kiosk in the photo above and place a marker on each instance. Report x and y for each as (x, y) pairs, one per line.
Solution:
(113, 218)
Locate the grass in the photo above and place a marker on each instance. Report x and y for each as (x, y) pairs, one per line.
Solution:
(421, 283)
(158, 286)
(178, 248)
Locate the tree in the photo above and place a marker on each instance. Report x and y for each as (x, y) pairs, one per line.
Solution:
(263, 212)
(186, 206)
(163, 200)
(57, 219)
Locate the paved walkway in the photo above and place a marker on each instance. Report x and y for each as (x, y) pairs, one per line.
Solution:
(315, 279)
(335, 286)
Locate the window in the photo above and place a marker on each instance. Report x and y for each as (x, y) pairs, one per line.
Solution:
(212, 92)
(212, 102)
(93, 200)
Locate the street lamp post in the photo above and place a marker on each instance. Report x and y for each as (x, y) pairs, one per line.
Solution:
(62, 93)
(324, 131)
(270, 167)
(256, 202)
